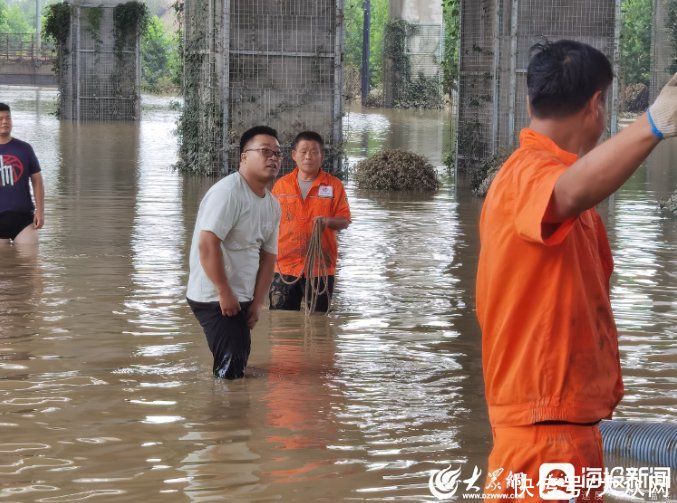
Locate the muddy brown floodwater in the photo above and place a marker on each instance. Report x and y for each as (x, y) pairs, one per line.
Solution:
(105, 385)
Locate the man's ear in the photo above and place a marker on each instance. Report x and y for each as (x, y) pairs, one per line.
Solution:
(529, 108)
(596, 103)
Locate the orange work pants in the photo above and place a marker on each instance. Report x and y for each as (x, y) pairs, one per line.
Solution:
(523, 449)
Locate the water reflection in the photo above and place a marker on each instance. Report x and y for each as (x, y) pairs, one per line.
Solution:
(643, 292)
(105, 384)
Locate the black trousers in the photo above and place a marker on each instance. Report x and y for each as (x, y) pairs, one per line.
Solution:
(290, 297)
(228, 337)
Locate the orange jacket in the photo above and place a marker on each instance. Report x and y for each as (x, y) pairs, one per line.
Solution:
(549, 341)
(326, 198)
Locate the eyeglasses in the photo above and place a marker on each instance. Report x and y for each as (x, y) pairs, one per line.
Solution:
(267, 153)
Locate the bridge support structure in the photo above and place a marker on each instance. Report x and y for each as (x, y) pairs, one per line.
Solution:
(422, 26)
(251, 62)
(99, 66)
(496, 36)
(663, 52)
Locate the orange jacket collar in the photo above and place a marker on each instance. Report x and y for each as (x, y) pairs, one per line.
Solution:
(317, 181)
(530, 138)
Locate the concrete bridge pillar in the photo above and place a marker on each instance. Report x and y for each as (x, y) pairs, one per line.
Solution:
(251, 62)
(496, 36)
(100, 76)
(423, 45)
(663, 53)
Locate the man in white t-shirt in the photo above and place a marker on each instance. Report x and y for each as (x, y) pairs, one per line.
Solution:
(233, 253)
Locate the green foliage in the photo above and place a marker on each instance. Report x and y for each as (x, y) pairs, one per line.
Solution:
(200, 124)
(3, 17)
(353, 37)
(635, 41)
(129, 22)
(129, 19)
(354, 17)
(420, 92)
(24, 14)
(452, 32)
(17, 17)
(93, 16)
(177, 65)
(56, 26)
(16, 21)
(394, 47)
(159, 58)
(58, 22)
(379, 18)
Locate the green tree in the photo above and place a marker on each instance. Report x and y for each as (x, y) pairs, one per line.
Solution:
(16, 20)
(354, 17)
(3, 17)
(635, 41)
(452, 32)
(159, 52)
(379, 18)
(353, 32)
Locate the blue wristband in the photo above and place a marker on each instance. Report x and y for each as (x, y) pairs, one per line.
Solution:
(654, 129)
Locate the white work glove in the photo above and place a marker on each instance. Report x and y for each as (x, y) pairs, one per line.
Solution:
(663, 113)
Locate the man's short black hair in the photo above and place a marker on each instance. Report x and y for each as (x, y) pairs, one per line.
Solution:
(255, 131)
(4, 107)
(563, 75)
(308, 136)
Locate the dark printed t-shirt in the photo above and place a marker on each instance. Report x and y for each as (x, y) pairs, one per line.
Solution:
(17, 163)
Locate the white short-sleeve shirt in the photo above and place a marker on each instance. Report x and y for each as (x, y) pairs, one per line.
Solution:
(245, 223)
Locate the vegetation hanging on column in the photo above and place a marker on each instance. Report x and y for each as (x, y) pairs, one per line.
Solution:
(410, 91)
(200, 127)
(129, 23)
(57, 28)
(451, 12)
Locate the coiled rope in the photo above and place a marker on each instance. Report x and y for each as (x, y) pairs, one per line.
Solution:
(315, 270)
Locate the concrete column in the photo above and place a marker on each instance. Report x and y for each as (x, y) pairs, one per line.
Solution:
(424, 44)
(416, 11)
(496, 36)
(252, 62)
(99, 82)
(663, 54)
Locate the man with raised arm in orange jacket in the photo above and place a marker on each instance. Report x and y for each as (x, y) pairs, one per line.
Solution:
(549, 342)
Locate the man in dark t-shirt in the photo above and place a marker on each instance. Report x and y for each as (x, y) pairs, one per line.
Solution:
(20, 219)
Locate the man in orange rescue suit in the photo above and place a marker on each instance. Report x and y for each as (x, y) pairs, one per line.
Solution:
(549, 342)
(306, 195)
